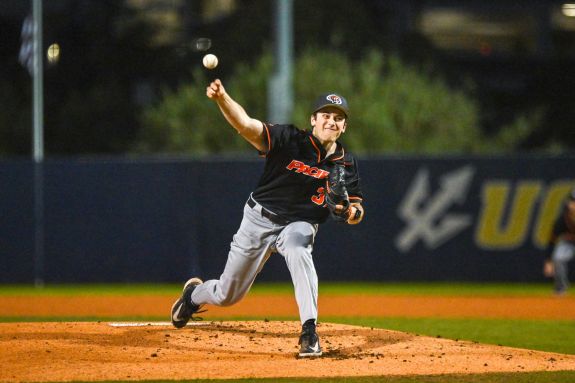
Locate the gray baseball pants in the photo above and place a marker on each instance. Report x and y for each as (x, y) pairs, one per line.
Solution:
(562, 255)
(252, 245)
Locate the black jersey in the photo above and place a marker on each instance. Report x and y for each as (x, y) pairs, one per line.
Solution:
(564, 228)
(293, 181)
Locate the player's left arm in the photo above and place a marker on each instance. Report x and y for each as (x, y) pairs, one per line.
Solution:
(356, 213)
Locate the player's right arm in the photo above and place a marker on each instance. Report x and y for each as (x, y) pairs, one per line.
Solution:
(249, 128)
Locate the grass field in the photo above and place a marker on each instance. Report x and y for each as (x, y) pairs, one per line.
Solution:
(350, 288)
(544, 335)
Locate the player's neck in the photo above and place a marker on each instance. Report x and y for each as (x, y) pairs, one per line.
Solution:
(329, 147)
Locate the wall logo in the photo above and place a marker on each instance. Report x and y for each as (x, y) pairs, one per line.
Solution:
(426, 216)
(511, 212)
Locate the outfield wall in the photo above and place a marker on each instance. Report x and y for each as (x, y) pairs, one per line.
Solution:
(162, 220)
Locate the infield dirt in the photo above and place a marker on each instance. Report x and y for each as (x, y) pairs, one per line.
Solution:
(47, 352)
(88, 351)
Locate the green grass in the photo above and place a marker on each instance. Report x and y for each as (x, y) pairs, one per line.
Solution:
(340, 288)
(438, 288)
(91, 289)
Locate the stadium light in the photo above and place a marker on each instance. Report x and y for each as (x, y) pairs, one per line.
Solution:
(568, 10)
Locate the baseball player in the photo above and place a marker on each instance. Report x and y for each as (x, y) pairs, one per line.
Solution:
(561, 246)
(307, 177)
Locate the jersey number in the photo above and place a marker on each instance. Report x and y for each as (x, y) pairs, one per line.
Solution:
(319, 199)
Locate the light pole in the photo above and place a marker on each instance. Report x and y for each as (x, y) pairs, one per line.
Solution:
(280, 90)
(38, 145)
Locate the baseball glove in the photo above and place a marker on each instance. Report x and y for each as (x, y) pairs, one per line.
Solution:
(337, 199)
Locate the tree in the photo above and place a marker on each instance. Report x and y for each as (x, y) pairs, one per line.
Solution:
(395, 108)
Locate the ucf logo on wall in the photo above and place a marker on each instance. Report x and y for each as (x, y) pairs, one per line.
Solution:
(510, 212)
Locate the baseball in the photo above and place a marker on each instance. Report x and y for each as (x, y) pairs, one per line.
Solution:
(210, 61)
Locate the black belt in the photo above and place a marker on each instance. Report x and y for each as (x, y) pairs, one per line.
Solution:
(268, 214)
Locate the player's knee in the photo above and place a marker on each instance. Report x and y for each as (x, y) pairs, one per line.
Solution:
(228, 293)
(294, 244)
(297, 255)
(228, 299)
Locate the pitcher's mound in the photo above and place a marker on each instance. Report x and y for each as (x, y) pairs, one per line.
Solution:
(157, 351)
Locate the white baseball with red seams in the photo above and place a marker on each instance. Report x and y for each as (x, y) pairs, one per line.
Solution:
(210, 61)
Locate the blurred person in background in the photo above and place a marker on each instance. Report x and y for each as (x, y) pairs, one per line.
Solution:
(561, 246)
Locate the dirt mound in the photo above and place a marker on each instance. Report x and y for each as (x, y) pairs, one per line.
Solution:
(135, 351)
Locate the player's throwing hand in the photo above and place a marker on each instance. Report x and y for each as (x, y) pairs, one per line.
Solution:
(215, 89)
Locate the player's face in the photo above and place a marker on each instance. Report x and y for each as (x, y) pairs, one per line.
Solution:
(328, 124)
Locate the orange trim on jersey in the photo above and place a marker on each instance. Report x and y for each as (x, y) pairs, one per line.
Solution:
(340, 157)
(316, 148)
(269, 138)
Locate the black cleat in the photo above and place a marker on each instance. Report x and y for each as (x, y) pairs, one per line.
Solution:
(309, 341)
(183, 308)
